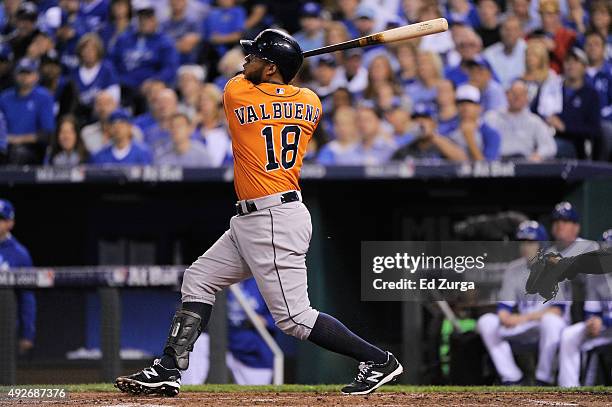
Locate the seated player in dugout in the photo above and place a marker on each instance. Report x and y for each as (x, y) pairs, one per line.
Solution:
(271, 123)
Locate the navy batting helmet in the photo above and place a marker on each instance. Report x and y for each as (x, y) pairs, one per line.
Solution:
(565, 211)
(531, 230)
(278, 48)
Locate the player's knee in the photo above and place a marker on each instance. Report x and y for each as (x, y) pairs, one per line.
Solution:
(298, 326)
(487, 323)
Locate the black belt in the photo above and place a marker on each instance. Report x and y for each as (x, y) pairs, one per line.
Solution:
(287, 197)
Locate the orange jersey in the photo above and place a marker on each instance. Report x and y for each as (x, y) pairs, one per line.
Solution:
(270, 126)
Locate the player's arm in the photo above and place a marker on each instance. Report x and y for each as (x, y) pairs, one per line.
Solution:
(507, 316)
(537, 315)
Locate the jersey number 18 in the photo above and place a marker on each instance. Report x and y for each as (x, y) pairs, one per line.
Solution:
(289, 146)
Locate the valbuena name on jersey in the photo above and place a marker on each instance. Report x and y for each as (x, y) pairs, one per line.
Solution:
(280, 110)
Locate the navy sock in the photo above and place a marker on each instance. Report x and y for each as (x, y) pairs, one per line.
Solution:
(203, 310)
(331, 334)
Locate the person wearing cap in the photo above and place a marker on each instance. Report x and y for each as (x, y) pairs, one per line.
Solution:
(425, 142)
(13, 254)
(478, 139)
(566, 230)
(599, 75)
(524, 319)
(492, 95)
(312, 34)
(63, 88)
(580, 119)
(524, 135)
(469, 46)
(28, 109)
(224, 25)
(184, 30)
(25, 29)
(122, 150)
(558, 39)
(327, 78)
(353, 72)
(144, 54)
(507, 57)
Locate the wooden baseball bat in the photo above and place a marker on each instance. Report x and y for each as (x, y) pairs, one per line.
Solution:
(384, 37)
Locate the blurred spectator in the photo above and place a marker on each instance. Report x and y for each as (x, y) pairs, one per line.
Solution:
(346, 15)
(507, 57)
(448, 113)
(579, 121)
(144, 54)
(94, 13)
(488, 22)
(601, 20)
(353, 72)
(181, 150)
(545, 96)
(67, 148)
(312, 34)
(461, 12)
(491, 92)
(151, 89)
(429, 73)
(6, 66)
(210, 126)
(335, 33)
(119, 23)
(379, 72)
(41, 44)
(67, 35)
(3, 140)
(165, 107)
(122, 150)
(28, 109)
(440, 43)
(469, 46)
(427, 143)
(524, 135)
(14, 255)
(398, 116)
(94, 74)
(409, 10)
(477, 139)
(229, 66)
(599, 75)
(224, 26)
(576, 18)
(376, 145)
(327, 78)
(184, 30)
(9, 13)
(25, 29)
(343, 150)
(63, 89)
(520, 8)
(190, 80)
(97, 135)
(258, 18)
(407, 57)
(557, 38)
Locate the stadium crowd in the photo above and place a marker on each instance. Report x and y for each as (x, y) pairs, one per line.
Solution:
(141, 81)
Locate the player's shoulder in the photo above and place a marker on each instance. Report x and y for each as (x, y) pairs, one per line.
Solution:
(238, 82)
(308, 93)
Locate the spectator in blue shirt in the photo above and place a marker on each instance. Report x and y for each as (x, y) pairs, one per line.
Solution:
(144, 54)
(70, 30)
(14, 255)
(28, 109)
(183, 30)
(343, 150)
(469, 46)
(462, 12)
(93, 75)
(492, 95)
(478, 140)
(94, 14)
(118, 23)
(122, 150)
(447, 114)
(224, 25)
(599, 75)
(312, 34)
(429, 73)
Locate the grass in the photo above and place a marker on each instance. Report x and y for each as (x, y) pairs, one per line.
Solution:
(226, 388)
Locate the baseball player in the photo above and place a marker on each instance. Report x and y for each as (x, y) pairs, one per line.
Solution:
(595, 330)
(522, 318)
(270, 123)
(14, 254)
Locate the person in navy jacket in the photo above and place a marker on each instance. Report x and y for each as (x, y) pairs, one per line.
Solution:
(144, 53)
(13, 255)
(123, 150)
(28, 109)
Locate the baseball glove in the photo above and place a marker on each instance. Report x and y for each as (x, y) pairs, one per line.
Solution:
(544, 275)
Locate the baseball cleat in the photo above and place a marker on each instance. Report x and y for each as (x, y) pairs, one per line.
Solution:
(151, 380)
(371, 376)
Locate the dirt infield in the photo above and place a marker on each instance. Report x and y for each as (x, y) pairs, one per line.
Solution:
(289, 399)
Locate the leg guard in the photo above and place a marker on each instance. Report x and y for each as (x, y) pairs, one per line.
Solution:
(185, 329)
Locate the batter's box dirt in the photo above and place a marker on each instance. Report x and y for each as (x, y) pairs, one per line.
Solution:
(291, 399)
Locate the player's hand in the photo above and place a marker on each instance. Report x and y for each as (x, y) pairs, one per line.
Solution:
(25, 345)
(594, 326)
